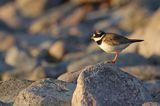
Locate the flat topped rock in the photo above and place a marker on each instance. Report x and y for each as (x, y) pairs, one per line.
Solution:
(9, 89)
(46, 92)
(106, 85)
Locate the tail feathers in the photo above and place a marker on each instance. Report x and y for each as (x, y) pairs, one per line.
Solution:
(136, 40)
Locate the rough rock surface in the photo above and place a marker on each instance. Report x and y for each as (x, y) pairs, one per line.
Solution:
(106, 85)
(10, 89)
(151, 104)
(47, 92)
(153, 86)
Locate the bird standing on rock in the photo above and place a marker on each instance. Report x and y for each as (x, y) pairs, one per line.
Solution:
(112, 43)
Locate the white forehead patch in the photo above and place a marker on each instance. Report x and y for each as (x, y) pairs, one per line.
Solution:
(97, 39)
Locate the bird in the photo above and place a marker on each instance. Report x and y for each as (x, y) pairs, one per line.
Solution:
(112, 42)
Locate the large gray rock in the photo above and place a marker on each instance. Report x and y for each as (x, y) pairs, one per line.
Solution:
(106, 85)
(142, 72)
(47, 92)
(10, 89)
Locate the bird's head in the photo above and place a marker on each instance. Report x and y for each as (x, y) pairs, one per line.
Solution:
(97, 35)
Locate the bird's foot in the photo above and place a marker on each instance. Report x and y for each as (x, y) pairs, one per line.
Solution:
(112, 62)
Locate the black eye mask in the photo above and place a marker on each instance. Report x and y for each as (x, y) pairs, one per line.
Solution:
(97, 35)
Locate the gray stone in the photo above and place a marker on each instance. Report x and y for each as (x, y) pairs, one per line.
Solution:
(86, 1)
(151, 104)
(46, 92)
(117, 3)
(129, 59)
(39, 25)
(53, 71)
(131, 24)
(157, 98)
(90, 60)
(153, 86)
(10, 89)
(39, 72)
(19, 59)
(57, 50)
(8, 15)
(106, 85)
(143, 72)
(5, 104)
(69, 76)
(35, 8)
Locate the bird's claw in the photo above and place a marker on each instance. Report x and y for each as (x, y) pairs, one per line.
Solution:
(112, 62)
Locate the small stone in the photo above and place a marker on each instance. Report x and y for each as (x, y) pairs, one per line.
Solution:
(46, 92)
(30, 8)
(5, 104)
(19, 59)
(57, 50)
(87, 1)
(151, 104)
(69, 76)
(8, 15)
(38, 73)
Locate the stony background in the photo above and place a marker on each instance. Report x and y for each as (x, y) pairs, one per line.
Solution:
(45, 45)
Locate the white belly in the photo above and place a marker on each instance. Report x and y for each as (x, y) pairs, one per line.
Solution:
(110, 49)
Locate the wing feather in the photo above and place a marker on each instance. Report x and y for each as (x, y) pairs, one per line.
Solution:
(114, 39)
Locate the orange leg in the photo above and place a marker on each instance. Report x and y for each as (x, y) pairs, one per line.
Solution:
(115, 58)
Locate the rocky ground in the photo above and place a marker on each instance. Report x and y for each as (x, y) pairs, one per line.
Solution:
(48, 59)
